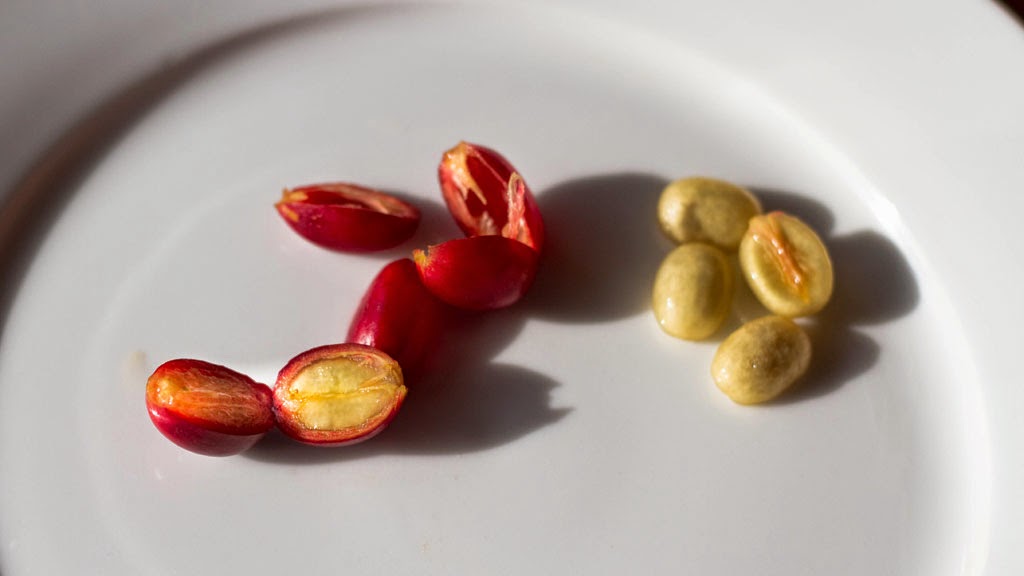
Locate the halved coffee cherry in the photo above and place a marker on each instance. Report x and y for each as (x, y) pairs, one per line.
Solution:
(338, 394)
(348, 218)
(488, 197)
(480, 273)
(208, 409)
(400, 317)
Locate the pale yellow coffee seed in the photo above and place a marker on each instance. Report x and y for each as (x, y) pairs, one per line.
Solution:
(693, 291)
(761, 359)
(706, 210)
(786, 265)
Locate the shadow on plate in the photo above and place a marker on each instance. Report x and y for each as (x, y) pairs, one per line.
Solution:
(603, 248)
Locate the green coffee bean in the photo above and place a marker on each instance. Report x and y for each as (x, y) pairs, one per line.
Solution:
(786, 265)
(761, 359)
(693, 291)
(706, 210)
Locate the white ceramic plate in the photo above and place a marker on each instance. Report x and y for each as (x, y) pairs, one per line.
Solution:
(567, 434)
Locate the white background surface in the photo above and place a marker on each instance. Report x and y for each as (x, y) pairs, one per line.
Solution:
(570, 434)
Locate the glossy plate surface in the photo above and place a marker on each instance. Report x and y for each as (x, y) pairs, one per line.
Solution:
(567, 434)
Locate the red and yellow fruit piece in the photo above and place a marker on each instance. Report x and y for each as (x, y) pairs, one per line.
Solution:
(208, 409)
(348, 218)
(488, 197)
(338, 394)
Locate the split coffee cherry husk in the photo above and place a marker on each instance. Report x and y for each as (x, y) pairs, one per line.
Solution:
(338, 394)
(400, 317)
(495, 265)
(208, 409)
(348, 218)
(488, 197)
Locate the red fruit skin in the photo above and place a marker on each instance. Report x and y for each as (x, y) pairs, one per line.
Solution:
(348, 218)
(400, 317)
(479, 273)
(288, 423)
(487, 196)
(195, 438)
(205, 435)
